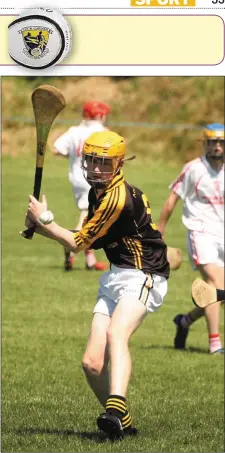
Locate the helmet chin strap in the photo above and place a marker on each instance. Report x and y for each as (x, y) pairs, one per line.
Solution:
(129, 158)
(103, 184)
(217, 157)
(212, 154)
(97, 184)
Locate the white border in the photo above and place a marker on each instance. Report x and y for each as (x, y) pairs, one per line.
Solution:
(121, 7)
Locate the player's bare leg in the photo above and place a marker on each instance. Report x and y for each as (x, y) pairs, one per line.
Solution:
(82, 216)
(69, 256)
(90, 258)
(214, 276)
(128, 315)
(96, 358)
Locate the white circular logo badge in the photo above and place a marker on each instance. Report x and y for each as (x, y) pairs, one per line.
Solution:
(39, 38)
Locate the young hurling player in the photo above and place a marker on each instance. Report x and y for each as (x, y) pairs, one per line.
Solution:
(119, 221)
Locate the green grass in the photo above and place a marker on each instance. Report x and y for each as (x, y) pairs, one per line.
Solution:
(176, 398)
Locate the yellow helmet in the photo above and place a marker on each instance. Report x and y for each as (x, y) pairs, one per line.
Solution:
(105, 144)
(102, 157)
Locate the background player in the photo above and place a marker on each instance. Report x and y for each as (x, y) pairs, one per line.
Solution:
(70, 145)
(201, 188)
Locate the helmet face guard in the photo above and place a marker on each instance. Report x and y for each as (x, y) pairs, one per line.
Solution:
(99, 171)
(214, 148)
(214, 141)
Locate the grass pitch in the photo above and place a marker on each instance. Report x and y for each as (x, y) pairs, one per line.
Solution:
(176, 398)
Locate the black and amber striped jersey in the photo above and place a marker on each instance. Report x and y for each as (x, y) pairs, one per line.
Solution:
(120, 222)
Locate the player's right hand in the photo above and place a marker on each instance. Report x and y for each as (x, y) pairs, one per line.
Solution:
(35, 209)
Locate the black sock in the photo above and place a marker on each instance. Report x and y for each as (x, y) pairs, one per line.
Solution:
(116, 405)
(186, 321)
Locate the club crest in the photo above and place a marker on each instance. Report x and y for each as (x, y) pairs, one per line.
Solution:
(36, 41)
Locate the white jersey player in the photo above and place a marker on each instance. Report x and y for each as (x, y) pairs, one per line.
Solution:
(70, 145)
(200, 186)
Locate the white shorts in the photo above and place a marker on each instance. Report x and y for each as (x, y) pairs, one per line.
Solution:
(80, 188)
(81, 198)
(119, 282)
(80, 193)
(205, 248)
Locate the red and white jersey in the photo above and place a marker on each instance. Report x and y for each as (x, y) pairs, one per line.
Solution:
(202, 190)
(71, 144)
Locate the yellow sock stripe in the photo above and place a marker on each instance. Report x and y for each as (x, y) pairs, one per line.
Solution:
(125, 418)
(118, 406)
(113, 404)
(110, 399)
(127, 423)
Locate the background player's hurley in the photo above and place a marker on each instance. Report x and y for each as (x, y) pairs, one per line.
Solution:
(47, 102)
(174, 256)
(204, 294)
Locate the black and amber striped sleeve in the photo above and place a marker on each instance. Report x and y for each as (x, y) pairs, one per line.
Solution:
(104, 217)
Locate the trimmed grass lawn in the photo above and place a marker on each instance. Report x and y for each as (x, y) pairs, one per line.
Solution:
(176, 398)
